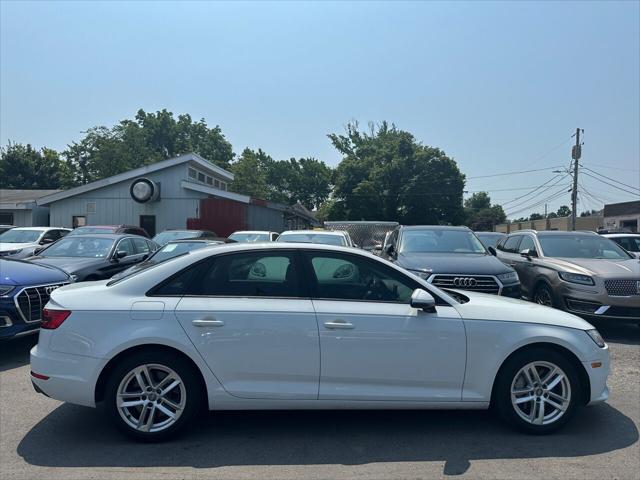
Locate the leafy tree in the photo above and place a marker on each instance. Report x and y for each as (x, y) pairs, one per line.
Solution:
(589, 213)
(148, 138)
(552, 215)
(249, 175)
(536, 216)
(23, 167)
(564, 211)
(387, 175)
(480, 214)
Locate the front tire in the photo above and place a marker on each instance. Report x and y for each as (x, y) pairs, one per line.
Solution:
(538, 391)
(152, 395)
(543, 295)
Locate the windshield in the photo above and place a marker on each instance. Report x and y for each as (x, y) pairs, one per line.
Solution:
(489, 239)
(91, 230)
(249, 237)
(166, 237)
(440, 241)
(174, 249)
(313, 238)
(16, 235)
(80, 246)
(581, 246)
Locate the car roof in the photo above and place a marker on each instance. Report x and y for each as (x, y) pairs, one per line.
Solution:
(314, 232)
(193, 240)
(559, 233)
(435, 227)
(113, 236)
(34, 228)
(620, 235)
(254, 231)
(489, 233)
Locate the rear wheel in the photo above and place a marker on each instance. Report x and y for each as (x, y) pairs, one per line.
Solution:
(538, 391)
(152, 395)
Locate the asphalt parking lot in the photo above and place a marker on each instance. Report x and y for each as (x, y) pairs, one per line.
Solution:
(43, 438)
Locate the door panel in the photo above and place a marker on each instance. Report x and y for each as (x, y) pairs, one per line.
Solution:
(390, 351)
(256, 347)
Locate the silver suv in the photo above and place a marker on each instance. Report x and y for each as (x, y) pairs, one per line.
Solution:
(582, 273)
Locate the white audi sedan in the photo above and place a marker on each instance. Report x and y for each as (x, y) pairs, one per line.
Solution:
(307, 326)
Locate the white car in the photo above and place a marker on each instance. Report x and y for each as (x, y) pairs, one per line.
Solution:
(21, 242)
(326, 237)
(629, 241)
(307, 326)
(253, 236)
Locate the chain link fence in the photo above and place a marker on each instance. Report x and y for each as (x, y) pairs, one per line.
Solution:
(367, 235)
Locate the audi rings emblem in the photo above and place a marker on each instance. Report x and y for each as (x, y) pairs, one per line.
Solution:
(50, 288)
(465, 282)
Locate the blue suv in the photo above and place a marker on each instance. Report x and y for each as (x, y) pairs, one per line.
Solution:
(24, 291)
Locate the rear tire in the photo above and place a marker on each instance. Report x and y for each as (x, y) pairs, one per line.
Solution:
(537, 390)
(151, 395)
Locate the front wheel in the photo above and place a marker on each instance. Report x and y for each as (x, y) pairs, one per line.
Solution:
(538, 391)
(151, 395)
(544, 296)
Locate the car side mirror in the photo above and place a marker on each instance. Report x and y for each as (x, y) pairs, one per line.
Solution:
(120, 254)
(492, 251)
(528, 253)
(424, 300)
(46, 241)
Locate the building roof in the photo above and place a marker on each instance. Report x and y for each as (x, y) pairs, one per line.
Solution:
(137, 172)
(624, 208)
(19, 199)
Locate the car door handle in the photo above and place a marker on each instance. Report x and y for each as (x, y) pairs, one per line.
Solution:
(207, 323)
(338, 325)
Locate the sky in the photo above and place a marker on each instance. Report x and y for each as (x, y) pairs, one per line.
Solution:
(499, 86)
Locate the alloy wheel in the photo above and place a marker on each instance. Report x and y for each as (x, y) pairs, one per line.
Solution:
(540, 393)
(543, 297)
(151, 398)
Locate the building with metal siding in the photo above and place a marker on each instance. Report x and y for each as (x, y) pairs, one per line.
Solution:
(187, 188)
(19, 208)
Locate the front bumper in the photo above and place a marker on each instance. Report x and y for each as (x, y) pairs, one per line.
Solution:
(598, 376)
(591, 303)
(71, 378)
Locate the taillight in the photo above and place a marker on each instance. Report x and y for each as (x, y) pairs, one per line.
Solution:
(52, 319)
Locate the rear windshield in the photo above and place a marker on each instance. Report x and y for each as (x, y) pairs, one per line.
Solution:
(249, 237)
(166, 237)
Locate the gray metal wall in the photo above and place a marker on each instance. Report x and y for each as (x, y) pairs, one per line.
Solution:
(114, 205)
(263, 218)
(21, 218)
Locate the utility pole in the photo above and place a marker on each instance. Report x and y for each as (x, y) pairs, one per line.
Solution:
(576, 153)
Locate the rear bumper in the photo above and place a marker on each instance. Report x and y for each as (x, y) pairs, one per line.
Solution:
(71, 378)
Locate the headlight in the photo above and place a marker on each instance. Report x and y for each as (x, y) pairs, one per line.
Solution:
(421, 274)
(5, 289)
(576, 278)
(596, 337)
(509, 277)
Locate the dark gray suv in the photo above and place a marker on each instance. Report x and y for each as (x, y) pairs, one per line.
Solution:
(582, 273)
(450, 257)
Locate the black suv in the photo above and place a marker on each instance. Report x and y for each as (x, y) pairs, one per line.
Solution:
(450, 257)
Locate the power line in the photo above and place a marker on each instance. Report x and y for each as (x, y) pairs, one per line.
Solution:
(540, 192)
(553, 196)
(615, 168)
(610, 184)
(609, 178)
(535, 189)
(515, 173)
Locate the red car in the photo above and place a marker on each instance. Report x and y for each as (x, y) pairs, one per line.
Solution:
(93, 229)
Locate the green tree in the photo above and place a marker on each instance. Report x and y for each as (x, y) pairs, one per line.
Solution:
(249, 175)
(563, 211)
(480, 214)
(148, 138)
(387, 175)
(536, 216)
(23, 167)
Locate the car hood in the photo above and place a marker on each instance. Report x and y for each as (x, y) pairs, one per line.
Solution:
(68, 264)
(18, 272)
(484, 306)
(458, 263)
(597, 266)
(15, 246)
